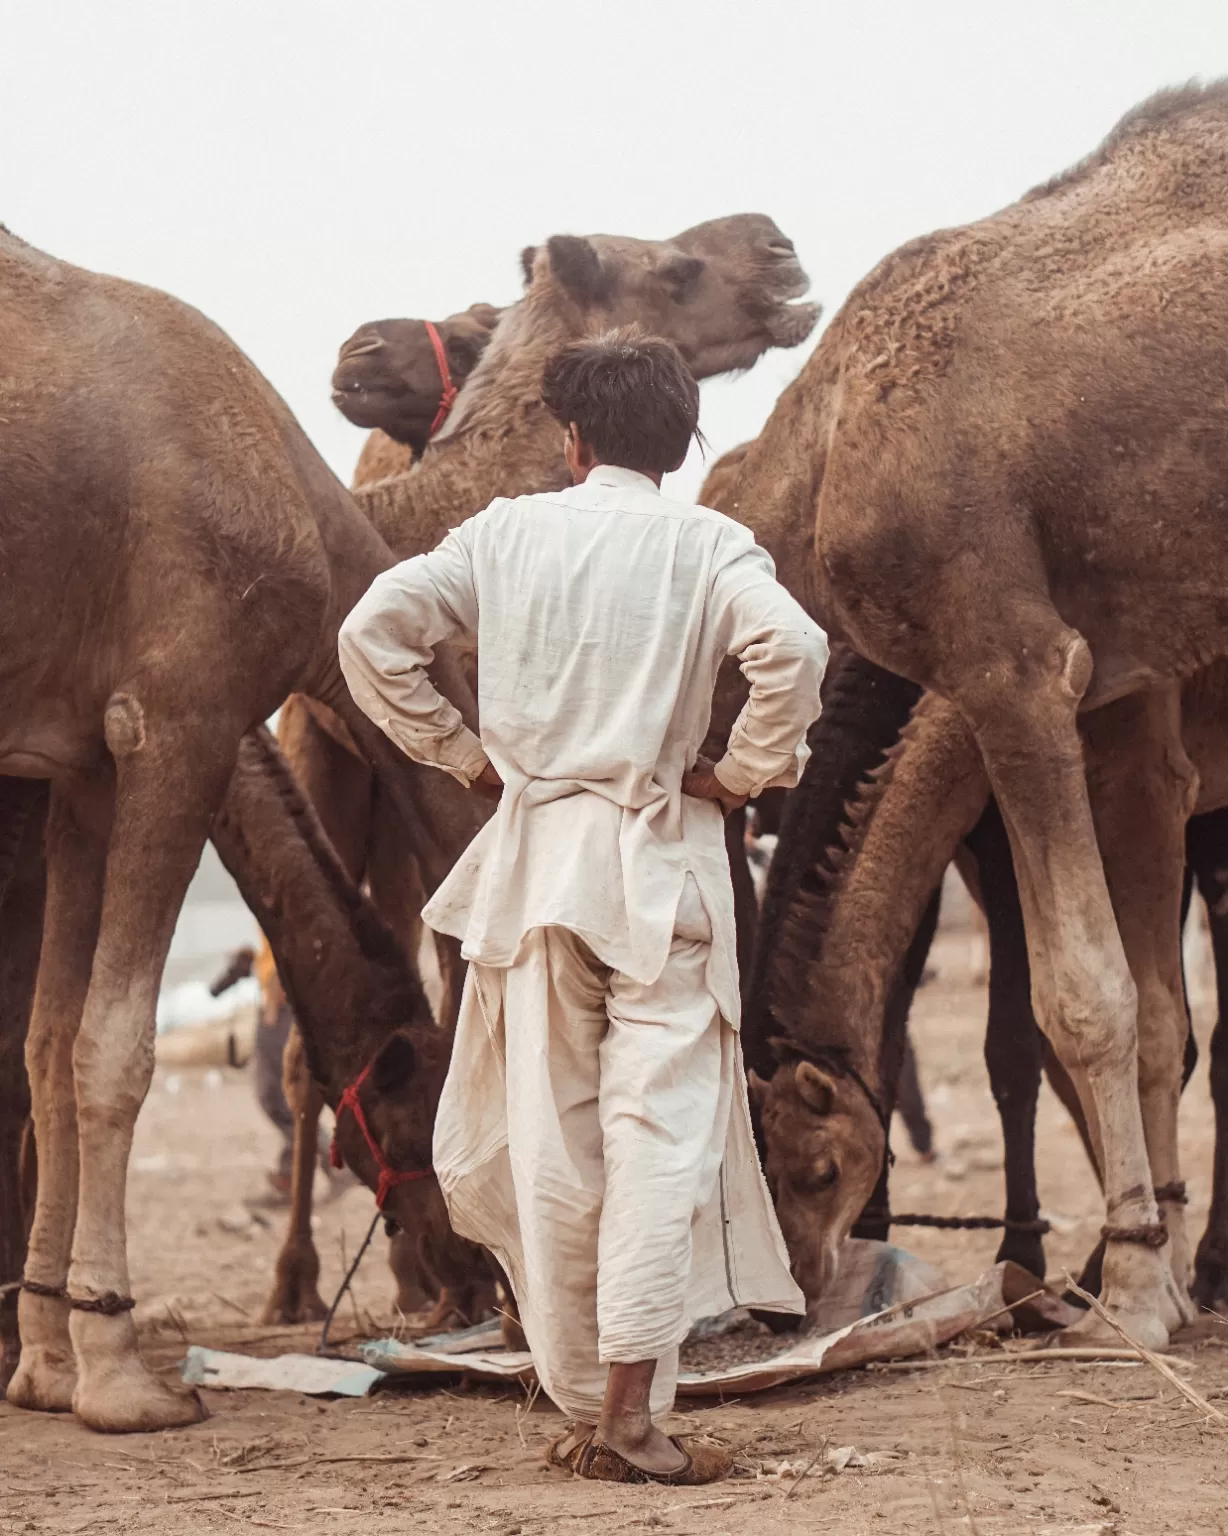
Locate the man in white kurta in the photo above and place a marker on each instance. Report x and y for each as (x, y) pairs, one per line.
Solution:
(594, 1132)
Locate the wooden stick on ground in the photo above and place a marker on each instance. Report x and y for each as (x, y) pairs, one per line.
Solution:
(1152, 1359)
(1083, 1354)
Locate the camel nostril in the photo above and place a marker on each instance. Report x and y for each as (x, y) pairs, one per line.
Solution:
(782, 247)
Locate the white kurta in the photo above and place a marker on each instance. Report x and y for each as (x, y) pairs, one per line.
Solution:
(601, 614)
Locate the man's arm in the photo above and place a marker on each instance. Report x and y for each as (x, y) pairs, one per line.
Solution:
(389, 640)
(783, 654)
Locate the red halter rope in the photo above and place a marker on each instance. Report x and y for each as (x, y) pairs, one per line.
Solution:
(450, 390)
(389, 1177)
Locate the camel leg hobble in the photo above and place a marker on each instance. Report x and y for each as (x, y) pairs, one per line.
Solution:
(168, 787)
(1082, 991)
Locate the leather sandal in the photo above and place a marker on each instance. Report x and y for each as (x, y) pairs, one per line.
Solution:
(568, 1462)
(601, 1463)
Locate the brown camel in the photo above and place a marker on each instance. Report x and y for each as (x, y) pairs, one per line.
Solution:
(724, 292)
(160, 505)
(388, 378)
(851, 921)
(340, 963)
(1009, 443)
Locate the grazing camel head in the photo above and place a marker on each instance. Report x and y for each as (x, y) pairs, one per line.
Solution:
(397, 1097)
(387, 374)
(722, 291)
(825, 1146)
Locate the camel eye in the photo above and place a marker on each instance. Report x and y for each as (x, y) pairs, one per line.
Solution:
(823, 1176)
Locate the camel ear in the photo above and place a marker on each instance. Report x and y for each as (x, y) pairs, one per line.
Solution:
(757, 1088)
(394, 1066)
(815, 1088)
(578, 268)
(488, 315)
(527, 257)
(680, 273)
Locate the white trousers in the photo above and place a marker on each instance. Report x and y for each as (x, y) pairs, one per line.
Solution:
(617, 1101)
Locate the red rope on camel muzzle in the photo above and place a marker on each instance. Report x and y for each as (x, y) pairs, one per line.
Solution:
(450, 390)
(389, 1177)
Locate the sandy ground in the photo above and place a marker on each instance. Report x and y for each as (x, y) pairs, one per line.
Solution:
(989, 1447)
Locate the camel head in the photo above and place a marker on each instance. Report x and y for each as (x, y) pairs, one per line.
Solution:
(397, 1098)
(824, 1150)
(387, 375)
(722, 292)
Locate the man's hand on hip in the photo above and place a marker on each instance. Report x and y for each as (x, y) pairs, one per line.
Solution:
(488, 784)
(703, 783)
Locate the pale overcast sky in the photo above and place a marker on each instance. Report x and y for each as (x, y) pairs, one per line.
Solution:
(295, 167)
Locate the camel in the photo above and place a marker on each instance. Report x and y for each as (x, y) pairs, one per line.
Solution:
(160, 505)
(340, 961)
(867, 852)
(724, 292)
(388, 378)
(994, 448)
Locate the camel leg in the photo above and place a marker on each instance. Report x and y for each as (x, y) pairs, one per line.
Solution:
(1024, 715)
(910, 1105)
(76, 845)
(296, 1297)
(406, 1270)
(339, 783)
(1143, 787)
(21, 925)
(1012, 1042)
(745, 902)
(169, 783)
(893, 1049)
(1207, 851)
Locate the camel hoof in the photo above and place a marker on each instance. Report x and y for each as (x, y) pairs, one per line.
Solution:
(1145, 1328)
(10, 1344)
(44, 1380)
(294, 1306)
(295, 1297)
(116, 1392)
(46, 1373)
(1210, 1287)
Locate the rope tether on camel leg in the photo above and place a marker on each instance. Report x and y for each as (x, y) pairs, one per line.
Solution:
(957, 1223)
(322, 1346)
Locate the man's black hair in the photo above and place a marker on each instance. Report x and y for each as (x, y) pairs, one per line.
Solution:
(631, 396)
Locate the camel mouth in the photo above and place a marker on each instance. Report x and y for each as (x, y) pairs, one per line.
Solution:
(794, 322)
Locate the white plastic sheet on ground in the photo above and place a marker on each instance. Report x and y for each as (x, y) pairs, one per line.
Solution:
(311, 1374)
